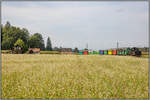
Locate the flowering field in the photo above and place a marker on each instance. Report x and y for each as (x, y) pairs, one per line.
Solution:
(73, 76)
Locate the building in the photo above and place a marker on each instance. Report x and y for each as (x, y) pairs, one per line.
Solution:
(34, 50)
(66, 51)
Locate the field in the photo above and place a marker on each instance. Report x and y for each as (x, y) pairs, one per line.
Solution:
(74, 76)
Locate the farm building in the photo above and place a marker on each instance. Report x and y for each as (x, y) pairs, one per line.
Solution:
(66, 51)
(34, 50)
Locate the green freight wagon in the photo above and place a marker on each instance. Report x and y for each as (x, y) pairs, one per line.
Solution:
(127, 51)
(105, 52)
(95, 52)
(123, 52)
(118, 52)
(81, 52)
(90, 53)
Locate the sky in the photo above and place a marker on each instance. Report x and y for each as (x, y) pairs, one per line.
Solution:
(75, 24)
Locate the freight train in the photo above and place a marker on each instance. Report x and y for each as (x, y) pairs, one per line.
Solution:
(128, 51)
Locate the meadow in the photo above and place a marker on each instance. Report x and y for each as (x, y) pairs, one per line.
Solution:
(74, 76)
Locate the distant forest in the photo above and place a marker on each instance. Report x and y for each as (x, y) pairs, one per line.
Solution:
(12, 36)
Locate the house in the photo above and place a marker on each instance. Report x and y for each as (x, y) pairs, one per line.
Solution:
(66, 51)
(34, 50)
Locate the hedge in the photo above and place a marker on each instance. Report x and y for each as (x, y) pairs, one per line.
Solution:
(49, 52)
(144, 53)
(6, 51)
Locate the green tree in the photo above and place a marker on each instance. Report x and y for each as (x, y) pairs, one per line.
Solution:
(6, 44)
(19, 43)
(7, 25)
(11, 34)
(76, 50)
(2, 33)
(49, 45)
(36, 41)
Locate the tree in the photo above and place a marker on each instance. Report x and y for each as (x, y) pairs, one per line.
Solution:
(6, 45)
(2, 33)
(24, 35)
(11, 34)
(19, 43)
(7, 25)
(49, 45)
(36, 41)
(76, 50)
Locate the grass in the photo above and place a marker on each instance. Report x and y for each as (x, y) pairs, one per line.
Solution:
(74, 76)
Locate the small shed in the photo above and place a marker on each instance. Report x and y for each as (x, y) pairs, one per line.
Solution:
(34, 50)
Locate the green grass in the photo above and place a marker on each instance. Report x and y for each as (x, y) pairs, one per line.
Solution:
(74, 76)
(145, 56)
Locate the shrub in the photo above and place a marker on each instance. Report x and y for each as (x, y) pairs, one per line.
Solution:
(6, 51)
(49, 52)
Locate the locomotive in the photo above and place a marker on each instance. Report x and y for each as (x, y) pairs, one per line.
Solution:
(135, 52)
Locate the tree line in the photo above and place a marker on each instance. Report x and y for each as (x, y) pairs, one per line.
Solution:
(12, 36)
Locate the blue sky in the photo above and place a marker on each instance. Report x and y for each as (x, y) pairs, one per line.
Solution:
(74, 24)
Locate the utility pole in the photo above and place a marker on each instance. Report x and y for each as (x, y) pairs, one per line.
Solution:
(117, 45)
(87, 46)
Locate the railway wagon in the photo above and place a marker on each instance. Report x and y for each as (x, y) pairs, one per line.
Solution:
(95, 52)
(90, 53)
(101, 52)
(109, 52)
(105, 52)
(85, 52)
(119, 52)
(123, 52)
(114, 52)
(80, 52)
(128, 51)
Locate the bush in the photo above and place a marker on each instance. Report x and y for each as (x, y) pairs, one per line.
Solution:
(6, 51)
(49, 52)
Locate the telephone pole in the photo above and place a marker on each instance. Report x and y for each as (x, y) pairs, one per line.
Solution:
(117, 45)
(87, 46)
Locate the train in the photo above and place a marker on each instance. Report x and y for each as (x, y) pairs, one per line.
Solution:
(124, 52)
